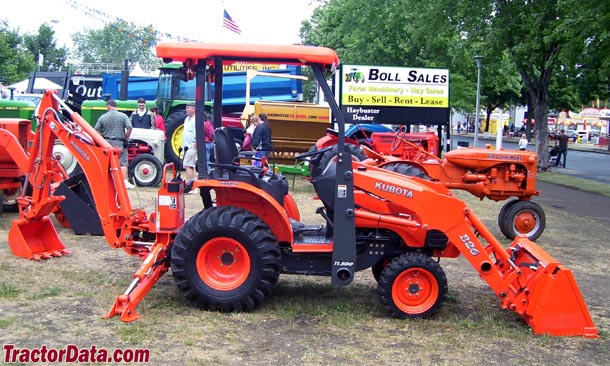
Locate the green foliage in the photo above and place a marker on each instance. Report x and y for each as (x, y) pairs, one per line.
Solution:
(51, 291)
(15, 60)
(9, 291)
(116, 42)
(54, 58)
(540, 53)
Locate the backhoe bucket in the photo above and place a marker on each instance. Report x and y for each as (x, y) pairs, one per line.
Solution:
(548, 299)
(35, 239)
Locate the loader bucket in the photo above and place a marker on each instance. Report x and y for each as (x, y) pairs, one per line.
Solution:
(549, 299)
(35, 239)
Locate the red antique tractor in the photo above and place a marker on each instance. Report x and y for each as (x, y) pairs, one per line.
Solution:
(230, 255)
(494, 174)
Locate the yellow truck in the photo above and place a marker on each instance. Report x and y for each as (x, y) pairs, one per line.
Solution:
(295, 126)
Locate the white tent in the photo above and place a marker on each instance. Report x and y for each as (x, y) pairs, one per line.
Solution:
(39, 83)
(137, 71)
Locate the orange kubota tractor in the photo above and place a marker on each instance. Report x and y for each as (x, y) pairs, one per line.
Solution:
(229, 256)
(485, 173)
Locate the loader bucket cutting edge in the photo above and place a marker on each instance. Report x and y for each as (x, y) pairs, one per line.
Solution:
(553, 304)
(35, 239)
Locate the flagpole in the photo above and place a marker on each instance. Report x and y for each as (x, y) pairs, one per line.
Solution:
(222, 26)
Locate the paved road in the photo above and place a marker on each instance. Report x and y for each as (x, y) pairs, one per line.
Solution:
(584, 164)
(574, 201)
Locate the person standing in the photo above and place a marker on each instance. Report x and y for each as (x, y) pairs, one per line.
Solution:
(261, 138)
(189, 143)
(158, 118)
(250, 126)
(523, 142)
(562, 144)
(142, 117)
(209, 141)
(116, 127)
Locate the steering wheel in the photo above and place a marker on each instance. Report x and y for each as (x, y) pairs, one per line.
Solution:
(399, 137)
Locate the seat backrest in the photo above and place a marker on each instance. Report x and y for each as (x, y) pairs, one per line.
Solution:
(224, 147)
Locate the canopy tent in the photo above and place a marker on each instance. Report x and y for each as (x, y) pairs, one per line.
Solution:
(137, 71)
(597, 124)
(39, 83)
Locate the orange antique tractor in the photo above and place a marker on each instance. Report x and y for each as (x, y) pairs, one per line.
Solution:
(494, 174)
(230, 255)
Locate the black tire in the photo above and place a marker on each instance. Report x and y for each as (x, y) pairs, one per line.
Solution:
(225, 259)
(408, 169)
(524, 218)
(412, 286)
(378, 267)
(329, 157)
(9, 199)
(146, 170)
(502, 216)
(174, 126)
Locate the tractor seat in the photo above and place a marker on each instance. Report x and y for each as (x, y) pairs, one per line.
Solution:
(227, 167)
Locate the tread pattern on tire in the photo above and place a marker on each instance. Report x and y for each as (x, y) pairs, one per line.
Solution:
(240, 225)
(395, 268)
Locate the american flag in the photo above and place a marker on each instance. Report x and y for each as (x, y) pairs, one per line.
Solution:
(230, 24)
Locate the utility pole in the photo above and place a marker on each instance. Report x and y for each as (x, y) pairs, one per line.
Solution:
(476, 118)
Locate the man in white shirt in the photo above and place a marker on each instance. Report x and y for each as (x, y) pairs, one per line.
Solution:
(189, 142)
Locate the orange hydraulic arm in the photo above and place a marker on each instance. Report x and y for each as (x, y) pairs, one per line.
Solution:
(33, 235)
(527, 280)
(99, 161)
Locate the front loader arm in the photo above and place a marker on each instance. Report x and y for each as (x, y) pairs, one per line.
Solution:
(527, 280)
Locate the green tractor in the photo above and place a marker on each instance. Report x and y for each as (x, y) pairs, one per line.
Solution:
(14, 108)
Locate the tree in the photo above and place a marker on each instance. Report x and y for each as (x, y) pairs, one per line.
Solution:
(116, 42)
(43, 43)
(555, 46)
(548, 41)
(15, 61)
(389, 33)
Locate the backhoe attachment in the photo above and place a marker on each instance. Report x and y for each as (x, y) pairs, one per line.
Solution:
(33, 235)
(35, 239)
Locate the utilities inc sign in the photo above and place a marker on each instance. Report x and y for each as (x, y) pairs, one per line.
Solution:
(375, 94)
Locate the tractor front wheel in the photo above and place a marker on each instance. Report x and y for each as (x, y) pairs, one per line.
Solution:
(146, 170)
(412, 286)
(523, 218)
(225, 259)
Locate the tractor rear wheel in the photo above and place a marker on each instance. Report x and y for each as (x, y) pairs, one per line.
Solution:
(9, 199)
(523, 218)
(329, 157)
(408, 169)
(174, 127)
(412, 286)
(225, 259)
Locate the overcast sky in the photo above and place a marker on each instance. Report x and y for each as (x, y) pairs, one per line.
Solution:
(261, 21)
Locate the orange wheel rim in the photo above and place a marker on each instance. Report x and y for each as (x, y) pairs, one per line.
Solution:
(223, 264)
(525, 222)
(415, 291)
